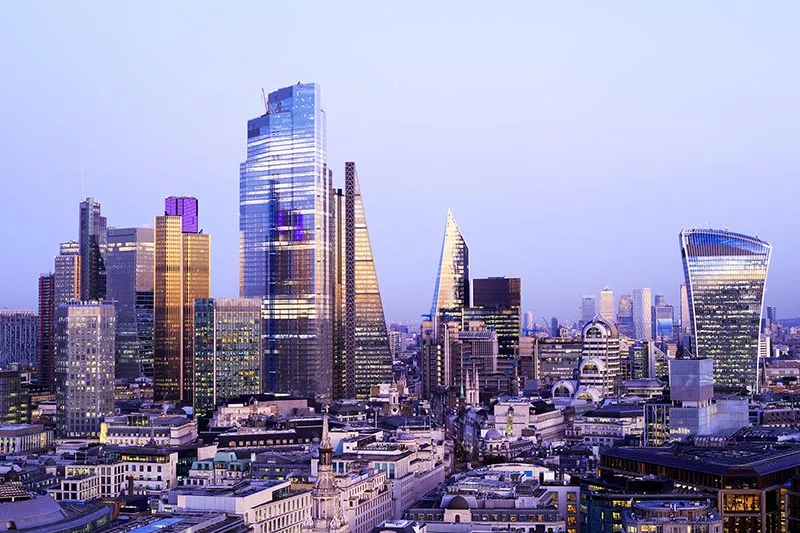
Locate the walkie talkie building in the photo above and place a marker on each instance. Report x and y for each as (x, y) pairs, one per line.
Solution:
(726, 274)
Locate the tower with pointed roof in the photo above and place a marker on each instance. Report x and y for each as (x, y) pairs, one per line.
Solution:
(326, 508)
(451, 293)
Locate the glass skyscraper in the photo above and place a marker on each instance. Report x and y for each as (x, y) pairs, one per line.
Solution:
(181, 273)
(185, 207)
(642, 314)
(367, 358)
(68, 273)
(497, 303)
(286, 230)
(92, 247)
(726, 274)
(129, 271)
(227, 351)
(451, 293)
(47, 311)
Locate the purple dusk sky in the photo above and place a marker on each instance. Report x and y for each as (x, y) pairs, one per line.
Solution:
(571, 142)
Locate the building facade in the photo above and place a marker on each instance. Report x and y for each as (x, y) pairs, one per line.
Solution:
(367, 358)
(607, 304)
(286, 228)
(182, 273)
(92, 249)
(68, 272)
(19, 336)
(85, 336)
(15, 405)
(129, 272)
(227, 351)
(452, 291)
(726, 274)
(47, 310)
(642, 317)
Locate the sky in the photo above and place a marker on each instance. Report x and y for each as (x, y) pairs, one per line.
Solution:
(571, 140)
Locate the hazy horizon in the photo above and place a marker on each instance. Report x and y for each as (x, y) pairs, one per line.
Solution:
(571, 143)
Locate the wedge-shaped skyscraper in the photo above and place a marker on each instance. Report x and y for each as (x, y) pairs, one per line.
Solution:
(366, 359)
(725, 277)
(451, 294)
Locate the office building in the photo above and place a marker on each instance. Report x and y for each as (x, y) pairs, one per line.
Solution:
(642, 316)
(227, 351)
(367, 358)
(726, 274)
(497, 303)
(686, 323)
(746, 480)
(772, 314)
(47, 310)
(662, 318)
(557, 359)
(92, 248)
(588, 309)
(607, 304)
(85, 335)
(19, 337)
(625, 315)
(286, 231)
(529, 324)
(452, 291)
(659, 300)
(599, 369)
(185, 207)
(15, 405)
(182, 274)
(68, 273)
(129, 273)
(554, 329)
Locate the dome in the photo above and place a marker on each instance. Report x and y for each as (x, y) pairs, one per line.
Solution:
(592, 366)
(458, 503)
(563, 389)
(599, 327)
(493, 434)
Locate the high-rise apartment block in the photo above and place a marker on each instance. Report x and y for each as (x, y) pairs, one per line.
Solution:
(607, 304)
(129, 272)
(92, 248)
(286, 230)
(227, 351)
(19, 337)
(68, 273)
(726, 275)
(642, 314)
(47, 310)
(182, 274)
(85, 336)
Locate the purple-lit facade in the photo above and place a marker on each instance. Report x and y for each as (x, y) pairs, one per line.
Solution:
(185, 207)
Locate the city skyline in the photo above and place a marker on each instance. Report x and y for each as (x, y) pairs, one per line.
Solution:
(195, 148)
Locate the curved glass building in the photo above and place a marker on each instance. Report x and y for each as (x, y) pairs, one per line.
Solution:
(726, 274)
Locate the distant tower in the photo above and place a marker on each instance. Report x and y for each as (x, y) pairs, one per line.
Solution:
(326, 507)
(642, 314)
(607, 304)
(529, 324)
(659, 300)
(554, 329)
(588, 309)
(686, 322)
(47, 321)
(92, 247)
(451, 294)
(473, 390)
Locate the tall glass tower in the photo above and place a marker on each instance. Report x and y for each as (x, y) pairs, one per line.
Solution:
(92, 247)
(129, 267)
(285, 229)
(726, 274)
(451, 294)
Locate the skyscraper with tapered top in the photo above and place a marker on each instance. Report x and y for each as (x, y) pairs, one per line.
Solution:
(367, 358)
(286, 229)
(726, 275)
(182, 273)
(451, 293)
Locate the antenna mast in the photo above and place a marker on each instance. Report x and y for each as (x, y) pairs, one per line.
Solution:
(266, 101)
